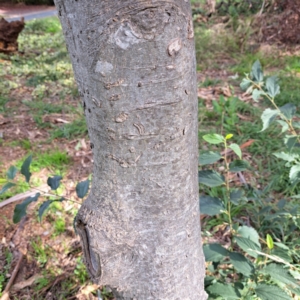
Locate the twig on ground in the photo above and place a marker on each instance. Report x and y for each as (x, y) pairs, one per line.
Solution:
(12, 278)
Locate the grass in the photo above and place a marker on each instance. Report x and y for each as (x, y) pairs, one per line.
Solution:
(6, 268)
(53, 160)
(44, 70)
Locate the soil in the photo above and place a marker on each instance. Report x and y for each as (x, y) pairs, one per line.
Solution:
(282, 27)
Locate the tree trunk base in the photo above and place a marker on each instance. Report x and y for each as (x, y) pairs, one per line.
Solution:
(9, 32)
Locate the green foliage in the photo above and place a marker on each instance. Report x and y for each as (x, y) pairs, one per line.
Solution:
(55, 160)
(41, 282)
(41, 251)
(59, 226)
(20, 209)
(262, 256)
(6, 269)
(285, 115)
(53, 182)
(82, 188)
(80, 271)
(69, 131)
(52, 25)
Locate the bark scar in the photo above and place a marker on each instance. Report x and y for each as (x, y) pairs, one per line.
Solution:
(92, 258)
(174, 46)
(140, 128)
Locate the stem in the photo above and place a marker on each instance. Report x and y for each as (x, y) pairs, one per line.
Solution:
(222, 120)
(50, 194)
(228, 188)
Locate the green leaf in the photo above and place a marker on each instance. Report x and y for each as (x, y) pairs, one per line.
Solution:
(210, 178)
(256, 94)
(272, 86)
(54, 182)
(288, 110)
(82, 188)
(295, 173)
(237, 196)
(214, 252)
(248, 246)
(270, 242)
(295, 274)
(256, 72)
(284, 125)
(229, 136)
(296, 125)
(25, 168)
(245, 84)
(12, 172)
(280, 274)
(213, 138)
(249, 233)
(290, 157)
(268, 116)
(45, 205)
(211, 206)
(238, 166)
(271, 292)
(225, 291)
(236, 149)
(6, 186)
(282, 246)
(290, 141)
(209, 158)
(20, 209)
(241, 263)
(282, 254)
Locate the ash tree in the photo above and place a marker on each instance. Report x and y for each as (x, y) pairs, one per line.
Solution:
(134, 64)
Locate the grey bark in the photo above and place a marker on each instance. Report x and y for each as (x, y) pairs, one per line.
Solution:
(134, 64)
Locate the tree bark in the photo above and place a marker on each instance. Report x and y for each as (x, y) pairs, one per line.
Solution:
(9, 32)
(134, 64)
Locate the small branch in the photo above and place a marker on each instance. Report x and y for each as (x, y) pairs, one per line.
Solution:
(17, 198)
(262, 8)
(31, 193)
(12, 278)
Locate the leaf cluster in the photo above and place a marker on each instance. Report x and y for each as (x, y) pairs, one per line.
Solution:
(53, 182)
(261, 261)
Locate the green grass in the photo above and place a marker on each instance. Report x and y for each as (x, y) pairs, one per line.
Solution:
(6, 269)
(54, 160)
(47, 25)
(40, 251)
(3, 101)
(80, 271)
(59, 226)
(45, 68)
(72, 130)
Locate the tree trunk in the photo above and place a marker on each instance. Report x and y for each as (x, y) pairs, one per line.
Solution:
(134, 64)
(9, 32)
